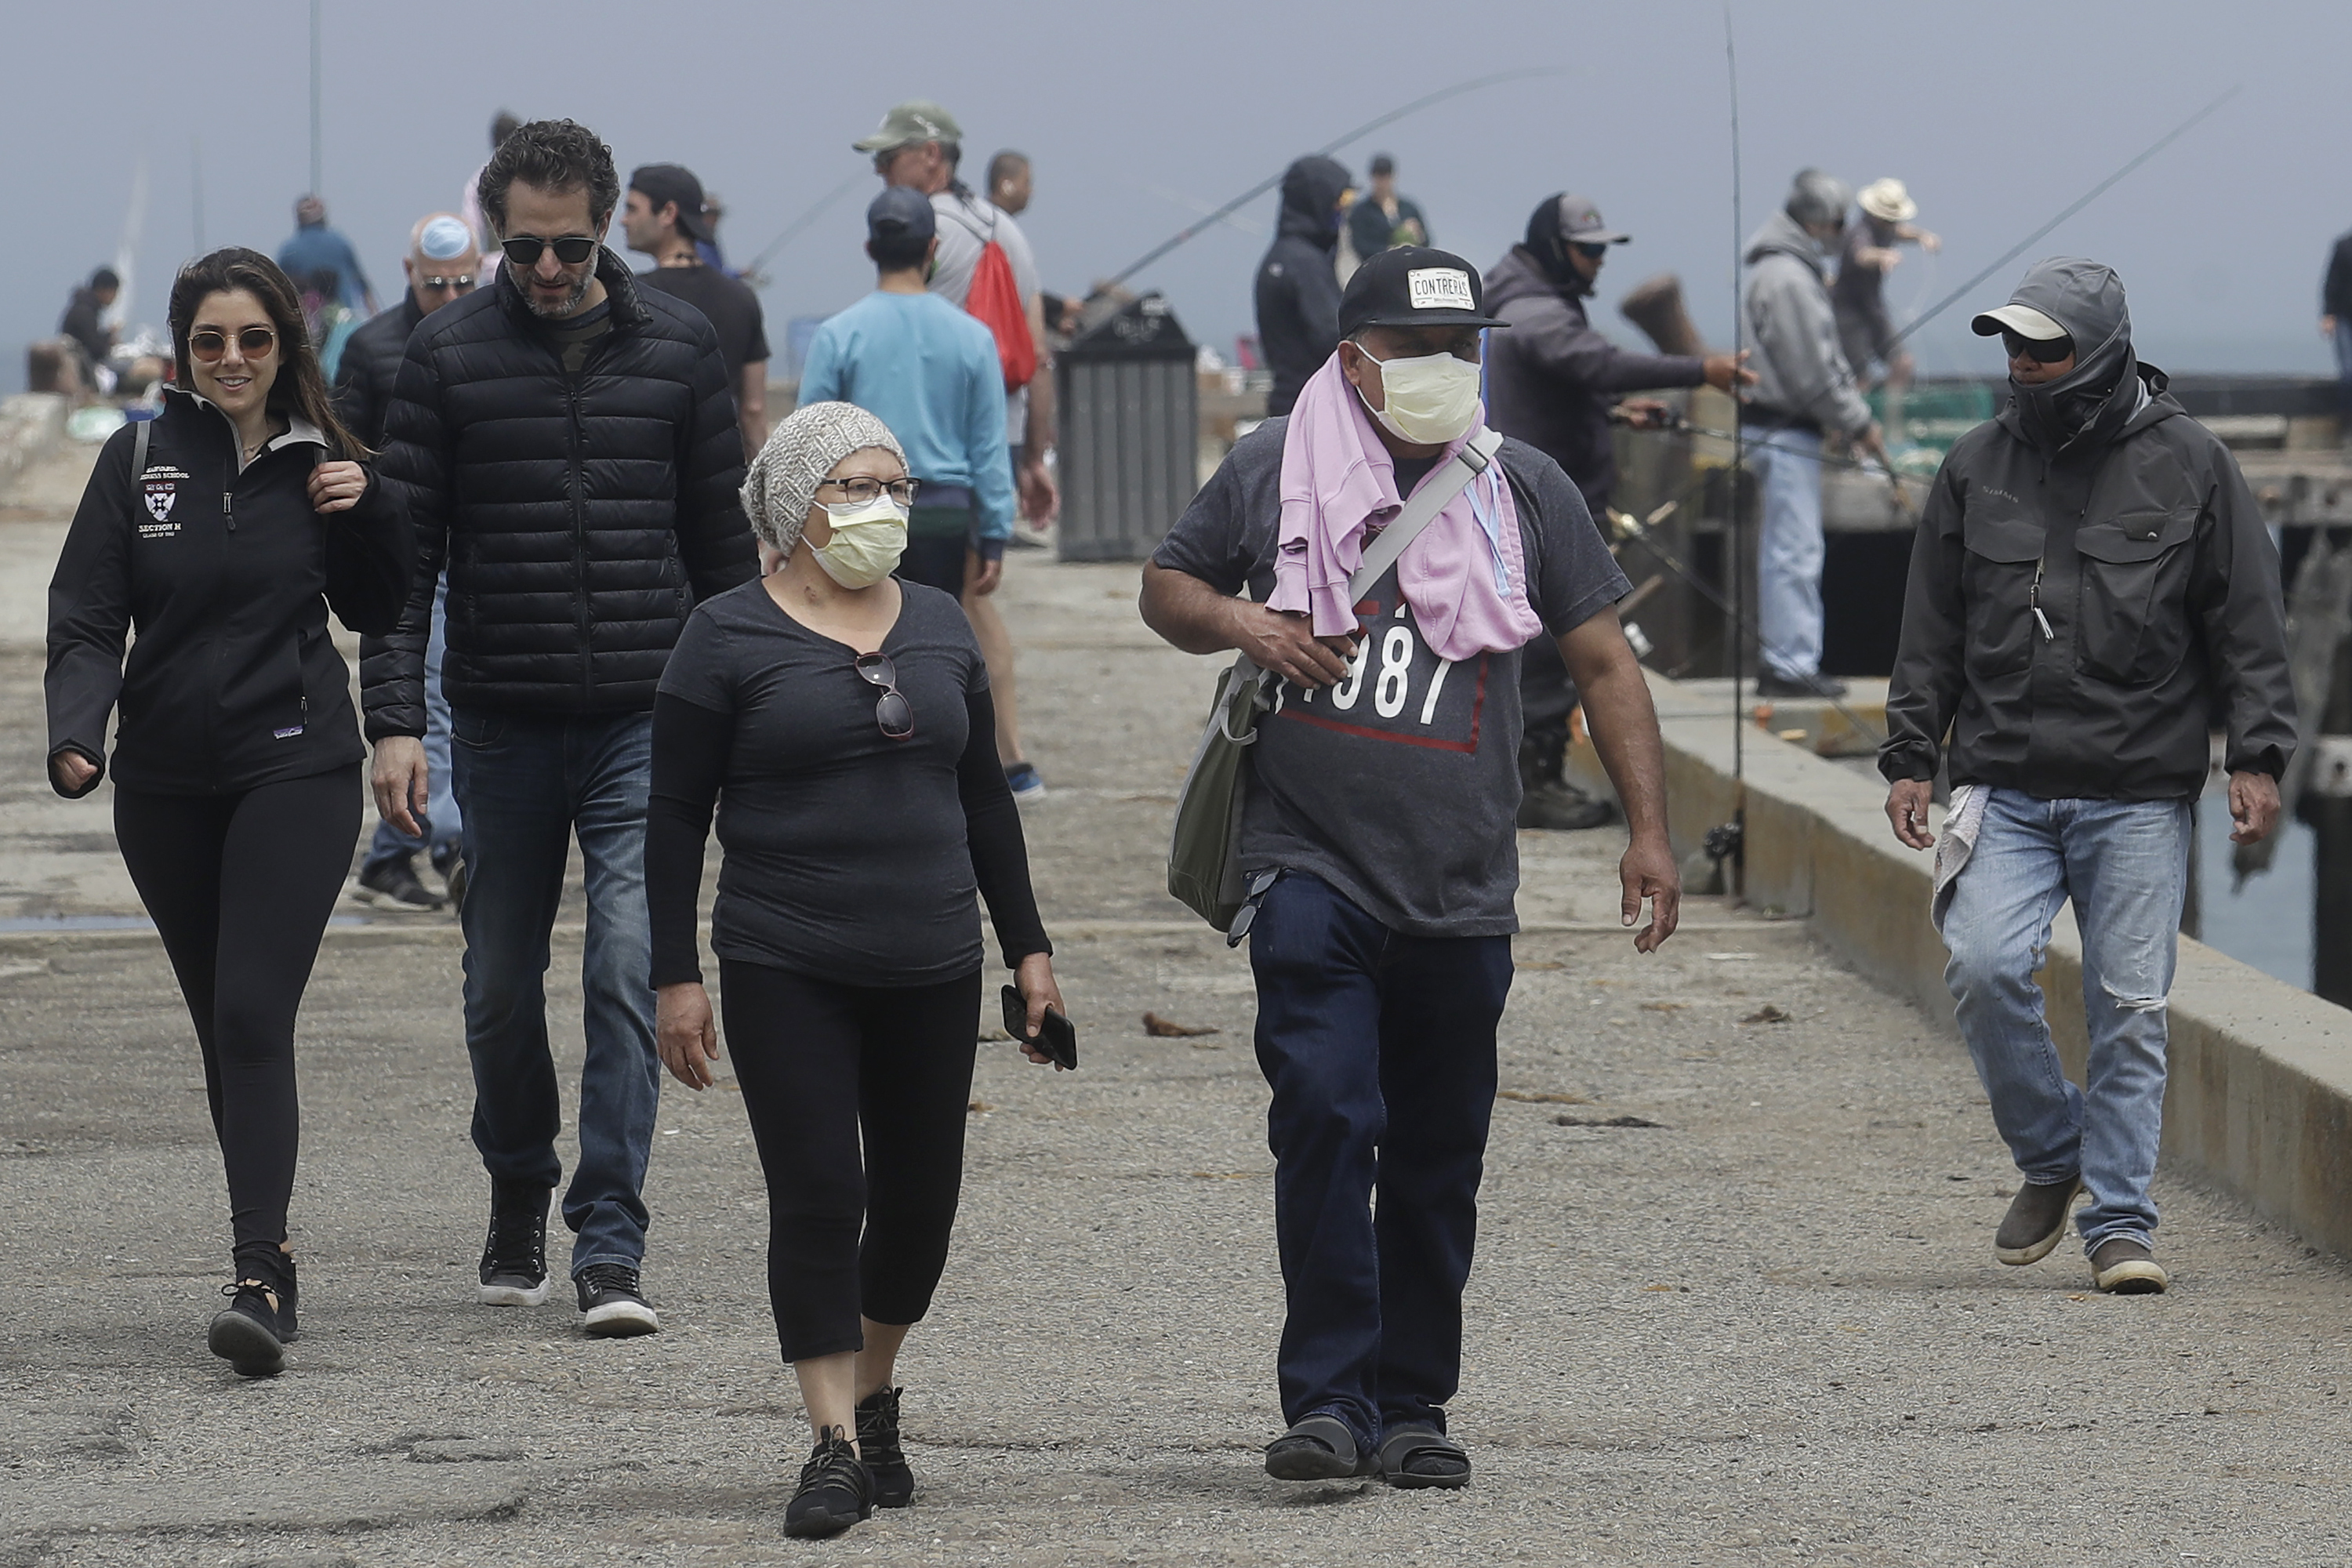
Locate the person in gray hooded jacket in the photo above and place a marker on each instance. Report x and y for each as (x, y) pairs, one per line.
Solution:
(1804, 390)
(2092, 589)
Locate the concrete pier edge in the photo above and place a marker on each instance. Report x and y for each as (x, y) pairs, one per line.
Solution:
(2259, 1098)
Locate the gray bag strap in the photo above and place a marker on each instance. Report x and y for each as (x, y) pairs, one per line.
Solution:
(1422, 511)
(139, 451)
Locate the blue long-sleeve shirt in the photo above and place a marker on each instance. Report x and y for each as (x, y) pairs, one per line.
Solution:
(931, 373)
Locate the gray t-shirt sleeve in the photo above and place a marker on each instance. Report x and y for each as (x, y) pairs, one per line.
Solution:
(1572, 576)
(1211, 540)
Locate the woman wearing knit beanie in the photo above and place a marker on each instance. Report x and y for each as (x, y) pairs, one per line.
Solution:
(840, 720)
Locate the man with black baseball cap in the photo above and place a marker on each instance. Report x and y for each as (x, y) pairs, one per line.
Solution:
(2092, 587)
(1551, 381)
(1378, 840)
(667, 217)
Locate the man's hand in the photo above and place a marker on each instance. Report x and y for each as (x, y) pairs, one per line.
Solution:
(984, 577)
(2254, 806)
(685, 1034)
(2326, 326)
(72, 770)
(1035, 980)
(400, 778)
(1648, 872)
(1906, 808)
(1873, 440)
(337, 487)
(1283, 643)
(1040, 500)
(1644, 413)
(1930, 241)
(1725, 370)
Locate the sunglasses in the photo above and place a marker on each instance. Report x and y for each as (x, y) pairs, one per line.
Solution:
(571, 249)
(2041, 350)
(891, 712)
(1589, 252)
(463, 282)
(209, 343)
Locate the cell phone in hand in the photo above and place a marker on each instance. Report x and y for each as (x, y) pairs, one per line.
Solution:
(1057, 1036)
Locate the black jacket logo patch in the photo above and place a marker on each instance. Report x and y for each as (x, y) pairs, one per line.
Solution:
(159, 488)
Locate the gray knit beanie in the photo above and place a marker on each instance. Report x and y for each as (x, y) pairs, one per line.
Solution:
(781, 481)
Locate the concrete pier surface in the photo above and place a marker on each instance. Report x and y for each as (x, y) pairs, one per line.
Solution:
(1735, 1302)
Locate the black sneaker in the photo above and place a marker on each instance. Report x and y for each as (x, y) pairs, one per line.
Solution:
(514, 1255)
(1561, 808)
(1772, 683)
(393, 885)
(244, 1334)
(612, 1305)
(834, 1492)
(878, 1446)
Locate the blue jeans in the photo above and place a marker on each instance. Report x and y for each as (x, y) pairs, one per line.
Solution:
(2126, 865)
(442, 827)
(1788, 554)
(1381, 1052)
(526, 785)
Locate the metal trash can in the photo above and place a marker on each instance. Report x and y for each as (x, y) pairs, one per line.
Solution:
(1131, 433)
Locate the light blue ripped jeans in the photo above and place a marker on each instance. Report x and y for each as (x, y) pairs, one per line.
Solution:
(2126, 865)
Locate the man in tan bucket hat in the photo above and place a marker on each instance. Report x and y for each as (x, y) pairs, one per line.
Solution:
(1864, 329)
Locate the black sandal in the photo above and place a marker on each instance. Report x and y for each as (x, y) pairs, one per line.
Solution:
(1423, 1456)
(1319, 1448)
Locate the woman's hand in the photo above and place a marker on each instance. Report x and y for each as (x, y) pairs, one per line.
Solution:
(685, 1034)
(73, 772)
(337, 487)
(1034, 981)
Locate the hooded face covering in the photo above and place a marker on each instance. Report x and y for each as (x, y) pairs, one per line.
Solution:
(1428, 399)
(2095, 399)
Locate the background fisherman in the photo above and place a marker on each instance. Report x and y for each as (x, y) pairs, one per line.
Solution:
(2090, 582)
(1865, 329)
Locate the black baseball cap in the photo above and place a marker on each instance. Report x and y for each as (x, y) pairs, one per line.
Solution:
(900, 213)
(1413, 286)
(665, 182)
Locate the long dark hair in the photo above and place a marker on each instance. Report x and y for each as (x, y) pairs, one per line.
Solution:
(300, 386)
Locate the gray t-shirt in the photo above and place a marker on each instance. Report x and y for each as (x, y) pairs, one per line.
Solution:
(1399, 786)
(966, 224)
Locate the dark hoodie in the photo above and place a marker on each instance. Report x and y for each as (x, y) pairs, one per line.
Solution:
(2093, 589)
(1297, 291)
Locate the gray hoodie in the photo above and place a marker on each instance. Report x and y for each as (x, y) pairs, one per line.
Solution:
(1802, 376)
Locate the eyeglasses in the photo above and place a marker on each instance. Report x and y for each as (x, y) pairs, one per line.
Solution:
(209, 343)
(571, 249)
(2041, 350)
(892, 713)
(865, 493)
(463, 282)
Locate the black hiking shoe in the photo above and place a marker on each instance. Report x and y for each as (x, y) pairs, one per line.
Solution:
(1772, 683)
(878, 1445)
(393, 885)
(612, 1305)
(2036, 1221)
(1563, 807)
(244, 1334)
(835, 1492)
(2124, 1266)
(514, 1255)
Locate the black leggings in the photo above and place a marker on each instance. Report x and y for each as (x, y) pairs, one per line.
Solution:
(240, 886)
(816, 1061)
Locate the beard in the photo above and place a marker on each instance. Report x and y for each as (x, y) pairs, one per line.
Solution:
(564, 307)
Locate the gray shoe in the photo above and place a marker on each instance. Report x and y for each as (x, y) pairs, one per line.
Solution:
(2036, 1221)
(2123, 1266)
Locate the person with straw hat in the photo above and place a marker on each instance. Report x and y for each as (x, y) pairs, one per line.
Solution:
(1868, 254)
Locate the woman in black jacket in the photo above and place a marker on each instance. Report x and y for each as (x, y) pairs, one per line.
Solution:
(840, 718)
(223, 531)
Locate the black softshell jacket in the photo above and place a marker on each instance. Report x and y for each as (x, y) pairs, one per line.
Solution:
(2080, 621)
(226, 577)
(581, 513)
(1298, 293)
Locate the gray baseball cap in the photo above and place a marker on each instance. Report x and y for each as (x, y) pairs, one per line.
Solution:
(917, 119)
(1580, 224)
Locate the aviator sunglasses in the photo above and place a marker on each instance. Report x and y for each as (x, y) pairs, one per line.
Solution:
(209, 343)
(892, 712)
(571, 249)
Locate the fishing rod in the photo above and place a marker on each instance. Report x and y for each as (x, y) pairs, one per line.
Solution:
(1672, 423)
(1418, 104)
(1738, 607)
(792, 229)
(2094, 193)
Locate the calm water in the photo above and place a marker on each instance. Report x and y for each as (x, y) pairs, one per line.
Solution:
(2268, 922)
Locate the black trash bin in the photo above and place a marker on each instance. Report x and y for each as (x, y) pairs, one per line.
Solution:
(1131, 433)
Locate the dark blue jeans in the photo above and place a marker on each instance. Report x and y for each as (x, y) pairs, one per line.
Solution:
(1381, 1052)
(525, 786)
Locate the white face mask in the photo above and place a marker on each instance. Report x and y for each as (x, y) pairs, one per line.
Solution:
(868, 538)
(1430, 399)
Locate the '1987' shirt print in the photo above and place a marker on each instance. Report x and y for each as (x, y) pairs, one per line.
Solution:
(1395, 689)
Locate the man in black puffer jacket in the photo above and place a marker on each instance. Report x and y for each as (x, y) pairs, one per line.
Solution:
(568, 445)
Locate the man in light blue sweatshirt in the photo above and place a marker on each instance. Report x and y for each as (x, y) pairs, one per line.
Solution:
(931, 373)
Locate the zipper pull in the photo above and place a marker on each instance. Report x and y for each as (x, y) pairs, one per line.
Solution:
(2033, 601)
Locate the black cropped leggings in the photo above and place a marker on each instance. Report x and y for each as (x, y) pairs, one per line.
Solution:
(240, 886)
(818, 1061)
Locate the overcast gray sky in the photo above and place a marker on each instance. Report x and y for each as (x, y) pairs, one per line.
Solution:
(1998, 113)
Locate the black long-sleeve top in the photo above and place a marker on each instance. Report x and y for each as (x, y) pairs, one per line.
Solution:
(849, 856)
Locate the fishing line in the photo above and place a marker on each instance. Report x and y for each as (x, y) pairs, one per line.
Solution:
(2167, 140)
(792, 229)
(1736, 573)
(1366, 128)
